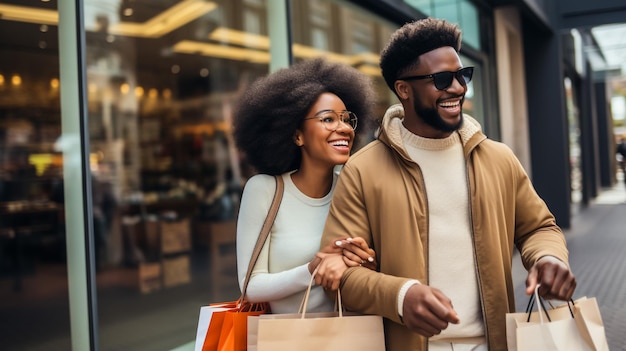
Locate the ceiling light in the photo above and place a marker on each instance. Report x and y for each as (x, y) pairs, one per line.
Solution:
(165, 22)
(221, 51)
(153, 93)
(139, 91)
(366, 57)
(257, 41)
(308, 52)
(231, 36)
(370, 70)
(28, 14)
(16, 80)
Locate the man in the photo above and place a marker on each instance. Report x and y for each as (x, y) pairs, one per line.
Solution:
(442, 206)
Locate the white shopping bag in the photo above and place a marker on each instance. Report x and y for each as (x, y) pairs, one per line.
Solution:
(203, 322)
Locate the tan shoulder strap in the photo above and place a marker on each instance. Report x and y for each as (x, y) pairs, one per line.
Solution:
(265, 230)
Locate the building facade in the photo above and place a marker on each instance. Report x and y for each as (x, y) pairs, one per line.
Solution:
(119, 178)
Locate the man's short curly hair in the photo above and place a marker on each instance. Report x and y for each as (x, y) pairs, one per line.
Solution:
(412, 40)
(274, 106)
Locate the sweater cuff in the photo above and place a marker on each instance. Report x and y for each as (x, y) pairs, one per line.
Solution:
(402, 293)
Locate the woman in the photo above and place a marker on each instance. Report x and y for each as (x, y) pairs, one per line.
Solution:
(298, 123)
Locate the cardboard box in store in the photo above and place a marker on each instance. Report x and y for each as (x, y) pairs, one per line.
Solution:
(151, 244)
(175, 236)
(149, 276)
(176, 270)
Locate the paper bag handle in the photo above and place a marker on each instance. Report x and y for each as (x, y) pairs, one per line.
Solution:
(541, 306)
(305, 299)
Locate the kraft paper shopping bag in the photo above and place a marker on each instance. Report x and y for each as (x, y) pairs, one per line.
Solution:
(590, 324)
(576, 326)
(253, 323)
(317, 332)
(363, 333)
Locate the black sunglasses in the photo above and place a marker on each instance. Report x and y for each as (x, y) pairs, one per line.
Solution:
(443, 80)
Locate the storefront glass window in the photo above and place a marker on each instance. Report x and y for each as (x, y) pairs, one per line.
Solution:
(33, 271)
(164, 78)
(342, 32)
(474, 98)
(463, 12)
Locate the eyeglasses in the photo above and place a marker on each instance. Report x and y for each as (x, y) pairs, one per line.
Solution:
(330, 119)
(443, 80)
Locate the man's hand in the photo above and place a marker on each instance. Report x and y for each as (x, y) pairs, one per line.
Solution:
(556, 279)
(427, 311)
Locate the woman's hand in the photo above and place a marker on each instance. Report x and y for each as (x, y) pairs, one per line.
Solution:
(356, 252)
(331, 248)
(337, 256)
(330, 270)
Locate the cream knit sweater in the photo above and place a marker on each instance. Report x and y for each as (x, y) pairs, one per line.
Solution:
(451, 254)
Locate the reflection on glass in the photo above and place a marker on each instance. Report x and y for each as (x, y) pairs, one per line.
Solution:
(33, 273)
(163, 79)
(345, 34)
(573, 122)
(463, 12)
(167, 170)
(474, 98)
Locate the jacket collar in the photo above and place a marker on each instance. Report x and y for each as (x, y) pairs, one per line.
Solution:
(389, 133)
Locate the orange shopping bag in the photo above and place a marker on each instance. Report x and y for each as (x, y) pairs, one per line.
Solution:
(228, 329)
(224, 326)
(206, 317)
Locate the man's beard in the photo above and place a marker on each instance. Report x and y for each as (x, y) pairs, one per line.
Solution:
(432, 118)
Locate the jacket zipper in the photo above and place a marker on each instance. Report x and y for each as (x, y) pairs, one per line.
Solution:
(471, 215)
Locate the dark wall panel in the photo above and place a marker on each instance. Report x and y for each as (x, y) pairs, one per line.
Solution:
(547, 122)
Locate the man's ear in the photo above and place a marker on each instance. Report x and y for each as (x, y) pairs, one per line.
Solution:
(297, 138)
(403, 89)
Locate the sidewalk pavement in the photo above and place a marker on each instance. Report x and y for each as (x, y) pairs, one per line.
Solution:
(597, 245)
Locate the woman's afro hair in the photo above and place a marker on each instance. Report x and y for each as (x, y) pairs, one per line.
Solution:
(412, 40)
(273, 108)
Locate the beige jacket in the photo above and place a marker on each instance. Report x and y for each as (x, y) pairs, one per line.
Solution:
(381, 197)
